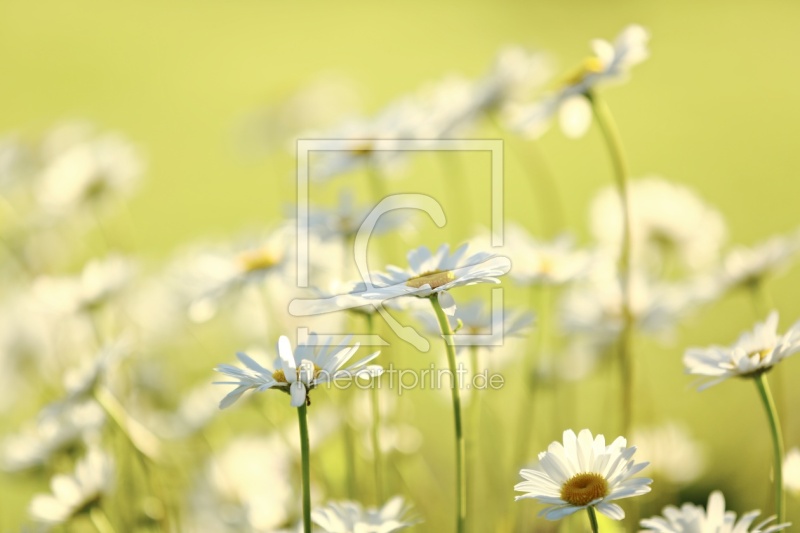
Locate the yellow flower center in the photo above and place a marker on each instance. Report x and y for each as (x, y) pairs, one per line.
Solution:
(255, 260)
(280, 376)
(581, 489)
(760, 353)
(590, 65)
(434, 278)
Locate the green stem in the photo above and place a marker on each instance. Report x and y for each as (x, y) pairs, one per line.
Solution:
(777, 442)
(608, 127)
(305, 458)
(593, 520)
(377, 459)
(472, 442)
(100, 520)
(461, 467)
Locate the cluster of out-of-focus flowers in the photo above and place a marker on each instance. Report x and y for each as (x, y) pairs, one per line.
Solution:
(88, 338)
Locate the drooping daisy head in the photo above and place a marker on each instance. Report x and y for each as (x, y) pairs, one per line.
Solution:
(692, 518)
(432, 274)
(583, 472)
(608, 63)
(349, 517)
(754, 353)
(298, 371)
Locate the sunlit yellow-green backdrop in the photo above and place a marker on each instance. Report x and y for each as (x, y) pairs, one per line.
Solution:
(715, 107)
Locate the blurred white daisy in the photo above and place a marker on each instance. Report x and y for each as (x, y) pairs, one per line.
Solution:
(594, 306)
(692, 518)
(56, 430)
(84, 168)
(670, 225)
(539, 262)
(207, 275)
(745, 266)
(755, 352)
(583, 472)
(298, 371)
(351, 517)
(610, 62)
(75, 493)
(433, 274)
(344, 220)
(100, 282)
(475, 318)
(672, 452)
(791, 471)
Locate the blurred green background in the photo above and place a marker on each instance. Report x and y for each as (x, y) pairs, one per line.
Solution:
(715, 107)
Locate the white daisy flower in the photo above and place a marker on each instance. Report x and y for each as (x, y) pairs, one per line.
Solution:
(86, 168)
(744, 266)
(344, 220)
(75, 493)
(474, 318)
(791, 471)
(539, 262)
(297, 371)
(100, 282)
(754, 353)
(350, 517)
(674, 455)
(433, 274)
(56, 430)
(610, 62)
(583, 472)
(664, 220)
(692, 518)
(206, 276)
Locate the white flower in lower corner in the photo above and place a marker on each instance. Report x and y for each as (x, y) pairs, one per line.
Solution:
(75, 493)
(692, 518)
(351, 517)
(298, 371)
(753, 353)
(583, 472)
(430, 274)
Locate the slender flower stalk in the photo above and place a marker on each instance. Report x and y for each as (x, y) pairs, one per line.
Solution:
(461, 473)
(777, 442)
(473, 427)
(305, 459)
(377, 459)
(608, 127)
(593, 520)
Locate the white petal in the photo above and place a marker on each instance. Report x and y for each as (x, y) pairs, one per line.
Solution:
(575, 116)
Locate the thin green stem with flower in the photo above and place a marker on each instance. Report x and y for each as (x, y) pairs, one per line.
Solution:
(377, 460)
(608, 127)
(777, 442)
(461, 467)
(593, 519)
(305, 460)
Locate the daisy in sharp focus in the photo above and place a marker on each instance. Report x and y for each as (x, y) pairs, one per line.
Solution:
(692, 518)
(297, 371)
(432, 274)
(610, 62)
(754, 353)
(584, 473)
(351, 517)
